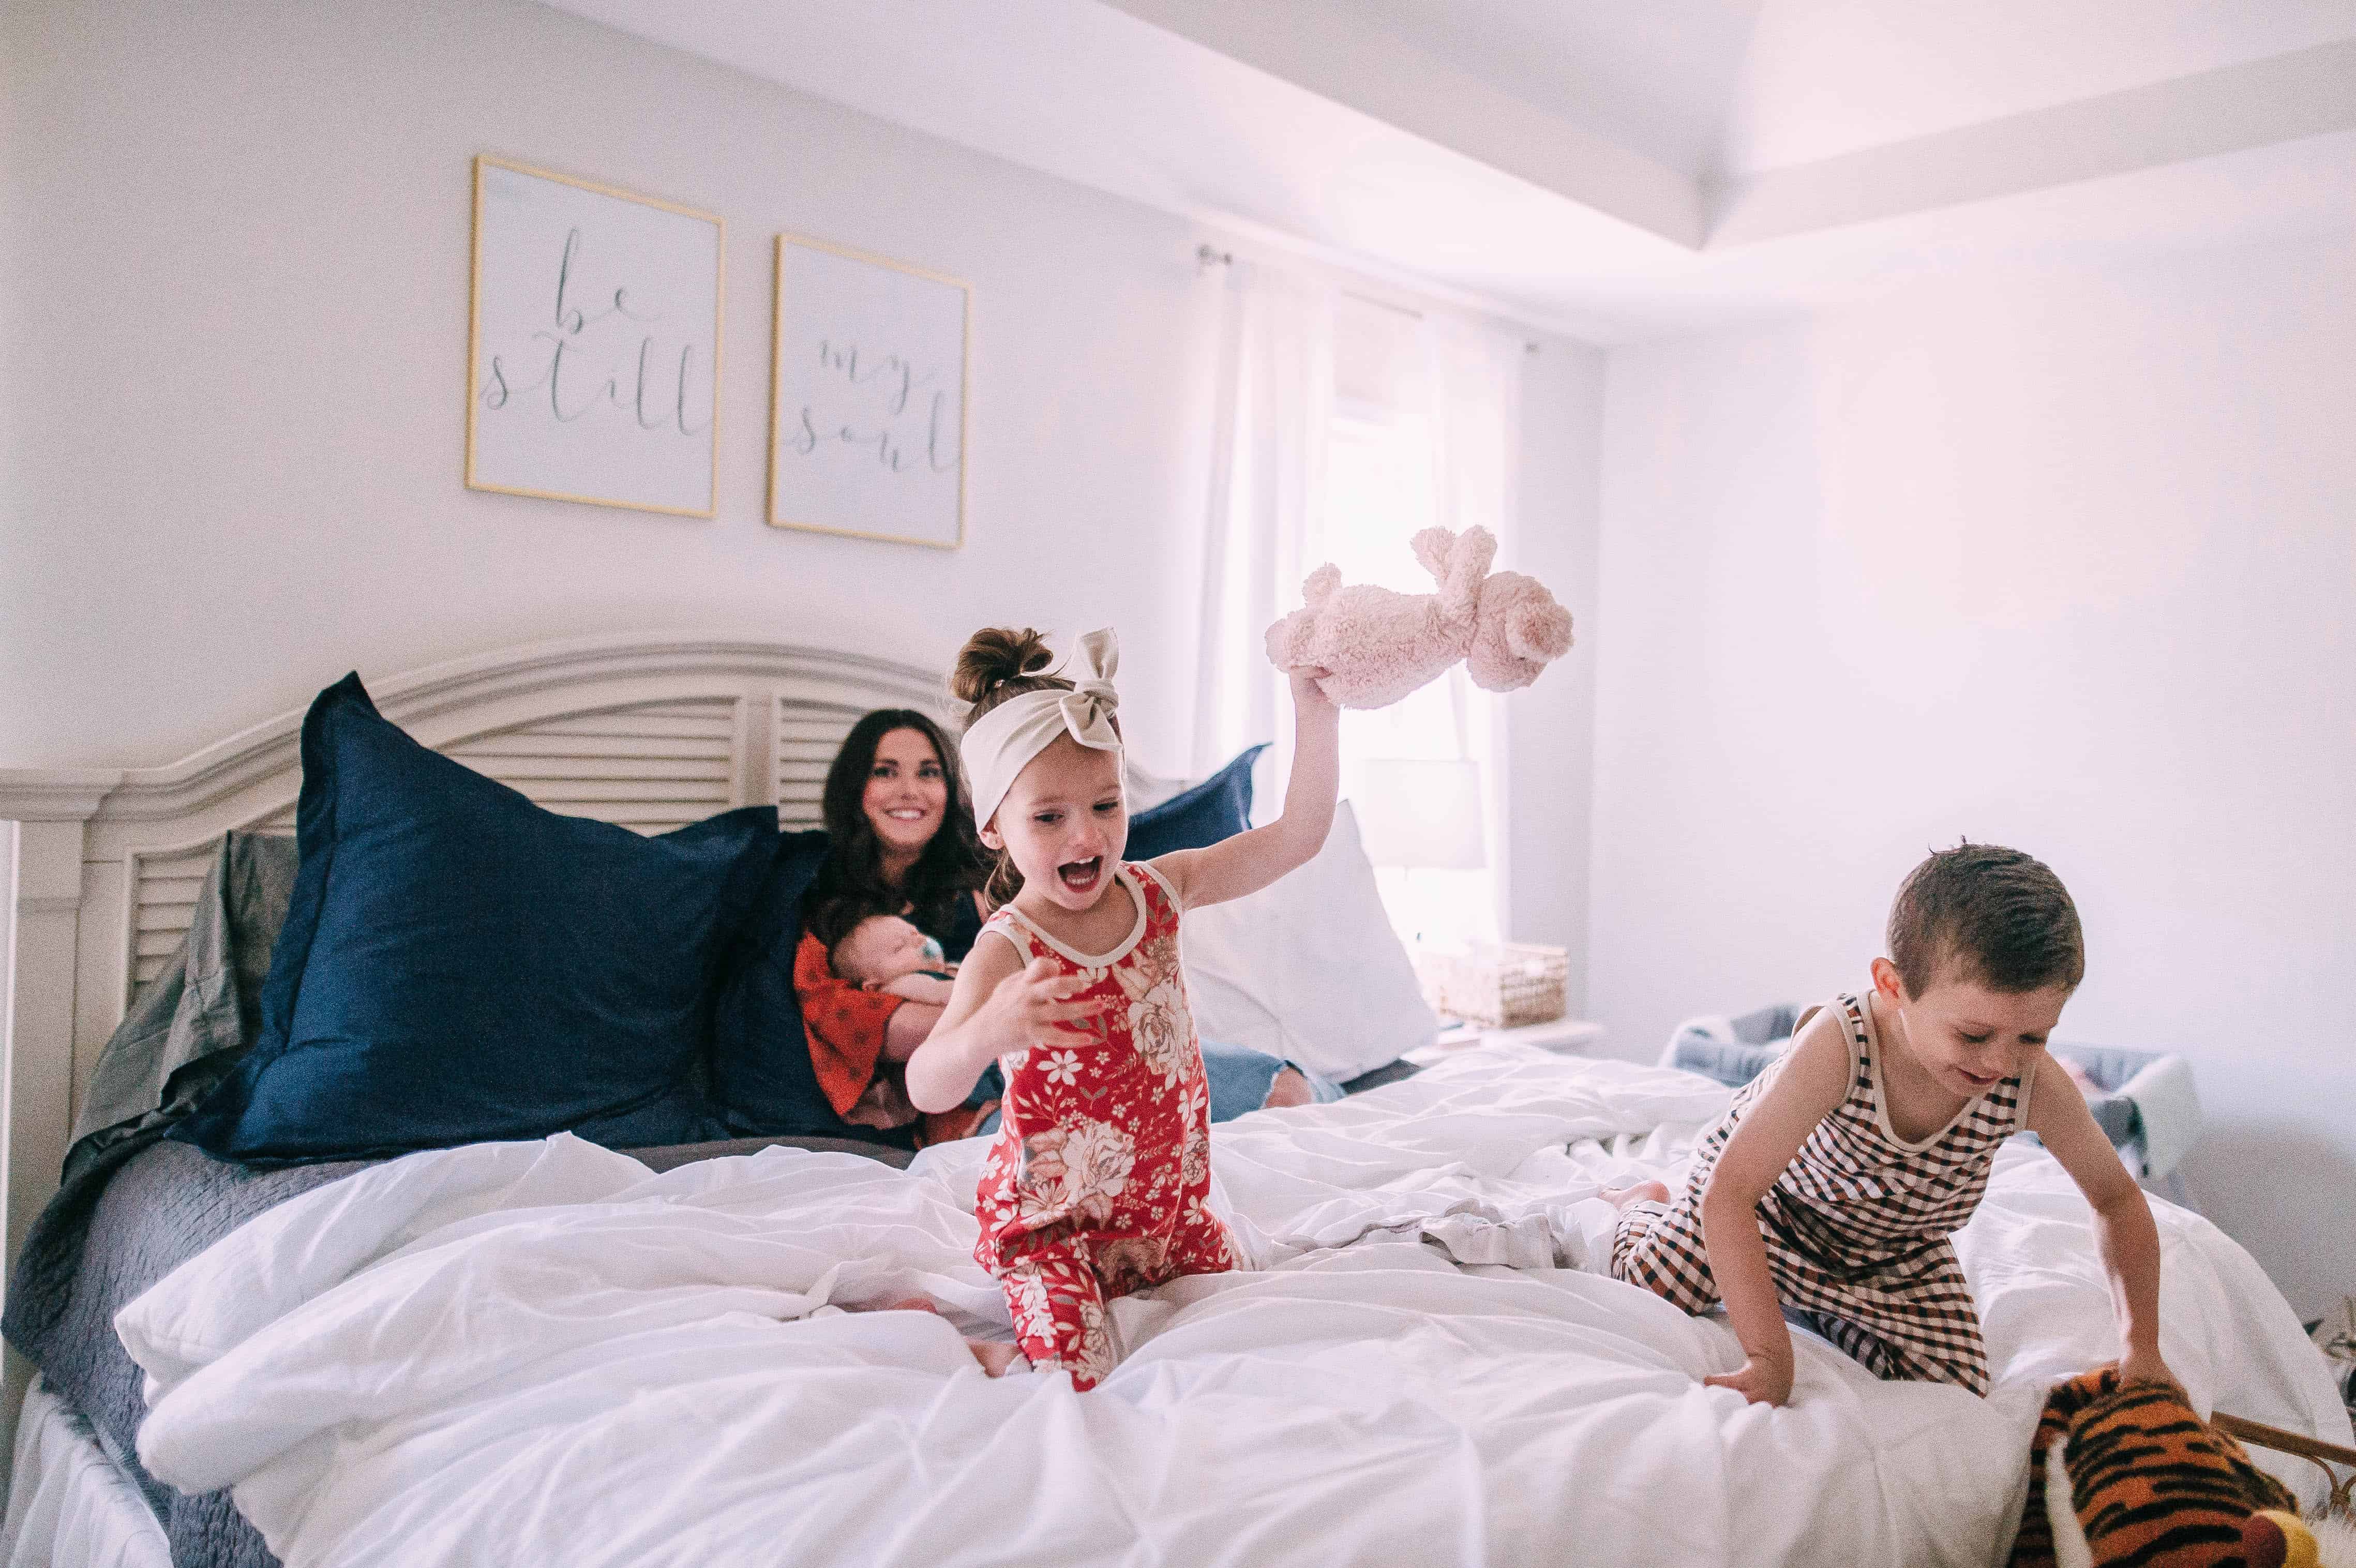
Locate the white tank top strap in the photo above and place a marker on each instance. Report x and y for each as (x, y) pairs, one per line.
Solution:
(1145, 872)
(2021, 1100)
(1005, 924)
(1856, 1018)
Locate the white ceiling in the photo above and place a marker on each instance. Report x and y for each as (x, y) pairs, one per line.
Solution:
(1617, 170)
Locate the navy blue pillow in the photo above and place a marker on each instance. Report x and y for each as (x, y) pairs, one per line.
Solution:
(761, 1074)
(1219, 808)
(459, 965)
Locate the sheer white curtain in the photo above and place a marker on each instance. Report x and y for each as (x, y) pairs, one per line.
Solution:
(1342, 427)
(1474, 380)
(1266, 524)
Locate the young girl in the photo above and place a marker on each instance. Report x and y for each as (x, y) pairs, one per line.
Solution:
(1096, 1184)
(1828, 1190)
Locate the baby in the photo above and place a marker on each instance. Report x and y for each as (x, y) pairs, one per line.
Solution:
(885, 952)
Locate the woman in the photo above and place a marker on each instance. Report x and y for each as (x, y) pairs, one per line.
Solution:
(901, 840)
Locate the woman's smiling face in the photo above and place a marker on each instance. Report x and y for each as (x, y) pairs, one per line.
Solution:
(907, 792)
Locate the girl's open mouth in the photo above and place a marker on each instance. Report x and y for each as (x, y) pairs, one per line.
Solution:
(1081, 876)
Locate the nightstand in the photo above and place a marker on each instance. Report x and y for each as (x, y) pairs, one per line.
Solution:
(1565, 1037)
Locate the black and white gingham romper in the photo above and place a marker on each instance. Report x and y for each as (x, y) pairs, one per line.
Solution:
(1857, 1226)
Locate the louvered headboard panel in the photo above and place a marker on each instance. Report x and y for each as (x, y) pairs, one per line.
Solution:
(809, 735)
(652, 766)
(647, 767)
(163, 905)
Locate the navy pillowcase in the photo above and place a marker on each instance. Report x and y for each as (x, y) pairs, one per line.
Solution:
(762, 1079)
(1219, 808)
(459, 965)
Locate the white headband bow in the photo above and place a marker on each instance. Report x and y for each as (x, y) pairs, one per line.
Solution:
(1002, 741)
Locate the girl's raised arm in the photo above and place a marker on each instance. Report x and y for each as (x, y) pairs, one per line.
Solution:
(1809, 1086)
(1251, 861)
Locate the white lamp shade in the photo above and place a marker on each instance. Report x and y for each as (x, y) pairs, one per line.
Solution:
(1420, 814)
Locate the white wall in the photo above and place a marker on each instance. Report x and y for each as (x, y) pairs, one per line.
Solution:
(2062, 561)
(234, 320)
(1550, 726)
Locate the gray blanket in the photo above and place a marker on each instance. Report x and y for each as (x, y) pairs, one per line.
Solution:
(166, 1204)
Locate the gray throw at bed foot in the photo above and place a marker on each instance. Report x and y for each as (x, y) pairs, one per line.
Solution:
(165, 1205)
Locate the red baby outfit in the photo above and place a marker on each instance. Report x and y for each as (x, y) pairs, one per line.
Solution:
(1098, 1182)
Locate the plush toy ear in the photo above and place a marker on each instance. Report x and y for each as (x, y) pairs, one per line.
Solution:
(1477, 549)
(1539, 631)
(1432, 547)
(1468, 563)
(1319, 584)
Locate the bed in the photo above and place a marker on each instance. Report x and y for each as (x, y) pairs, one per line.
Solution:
(683, 1365)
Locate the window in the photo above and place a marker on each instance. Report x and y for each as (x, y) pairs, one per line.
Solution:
(1382, 486)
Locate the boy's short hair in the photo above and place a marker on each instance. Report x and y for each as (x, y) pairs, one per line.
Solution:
(1999, 917)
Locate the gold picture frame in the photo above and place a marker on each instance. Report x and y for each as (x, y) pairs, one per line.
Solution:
(859, 389)
(624, 267)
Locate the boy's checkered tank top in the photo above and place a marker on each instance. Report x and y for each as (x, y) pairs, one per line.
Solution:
(1856, 1198)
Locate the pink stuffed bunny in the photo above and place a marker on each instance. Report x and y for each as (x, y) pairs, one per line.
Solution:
(1380, 645)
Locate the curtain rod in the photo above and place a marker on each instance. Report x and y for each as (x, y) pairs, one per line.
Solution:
(1207, 256)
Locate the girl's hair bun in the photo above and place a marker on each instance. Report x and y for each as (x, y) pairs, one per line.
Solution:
(994, 656)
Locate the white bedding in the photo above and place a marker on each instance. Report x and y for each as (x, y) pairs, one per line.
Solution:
(536, 1353)
(68, 1505)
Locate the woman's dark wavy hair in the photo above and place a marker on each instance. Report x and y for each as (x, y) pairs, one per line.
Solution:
(850, 885)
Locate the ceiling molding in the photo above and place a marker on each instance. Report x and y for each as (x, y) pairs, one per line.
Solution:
(1309, 128)
(1390, 82)
(2311, 92)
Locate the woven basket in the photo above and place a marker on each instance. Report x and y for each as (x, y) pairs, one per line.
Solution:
(1501, 985)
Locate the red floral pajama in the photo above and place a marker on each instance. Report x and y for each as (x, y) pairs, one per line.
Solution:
(1098, 1181)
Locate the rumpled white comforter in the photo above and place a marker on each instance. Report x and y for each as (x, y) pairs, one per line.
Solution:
(536, 1353)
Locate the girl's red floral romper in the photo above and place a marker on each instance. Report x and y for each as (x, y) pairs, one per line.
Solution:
(1098, 1181)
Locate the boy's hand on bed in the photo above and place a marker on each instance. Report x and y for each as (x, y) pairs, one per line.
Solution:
(2143, 1366)
(1759, 1379)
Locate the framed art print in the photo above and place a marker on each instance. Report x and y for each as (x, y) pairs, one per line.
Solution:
(867, 410)
(593, 347)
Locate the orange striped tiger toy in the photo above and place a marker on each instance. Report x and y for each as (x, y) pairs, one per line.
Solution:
(2132, 1478)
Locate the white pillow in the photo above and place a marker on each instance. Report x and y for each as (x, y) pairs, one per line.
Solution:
(1309, 968)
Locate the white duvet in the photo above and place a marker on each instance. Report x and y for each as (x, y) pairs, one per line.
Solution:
(536, 1353)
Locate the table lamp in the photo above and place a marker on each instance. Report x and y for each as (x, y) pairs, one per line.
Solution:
(1417, 814)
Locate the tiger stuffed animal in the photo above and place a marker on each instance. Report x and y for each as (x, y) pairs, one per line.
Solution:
(2132, 1478)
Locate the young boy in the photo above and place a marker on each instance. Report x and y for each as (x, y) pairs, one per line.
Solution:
(1831, 1186)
